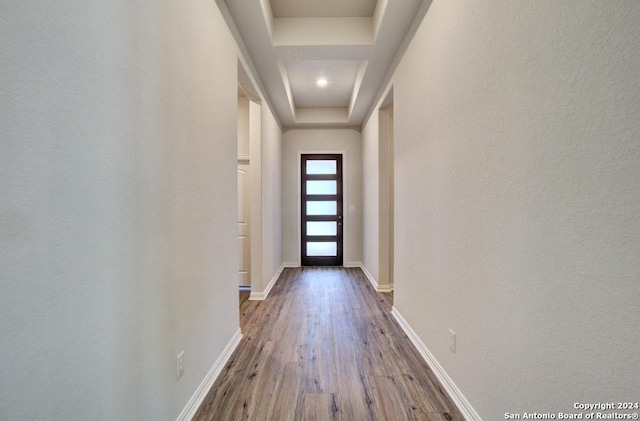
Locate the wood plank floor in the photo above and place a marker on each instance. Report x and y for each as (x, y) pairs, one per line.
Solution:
(324, 346)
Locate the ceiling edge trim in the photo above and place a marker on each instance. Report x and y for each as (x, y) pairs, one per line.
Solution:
(322, 115)
(267, 14)
(378, 15)
(245, 58)
(356, 86)
(292, 32)
(246, 84)
(386, 82)
(287, 87)
(323, 127)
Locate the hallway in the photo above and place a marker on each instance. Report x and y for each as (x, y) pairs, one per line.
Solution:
(324, 346)
(491, 158)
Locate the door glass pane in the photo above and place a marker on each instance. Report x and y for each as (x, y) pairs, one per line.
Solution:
(322, 228)
(322, 249)
(322, 208)
(321, 167)
(322, 187)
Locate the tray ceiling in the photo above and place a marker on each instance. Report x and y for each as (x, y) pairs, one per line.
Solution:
(354, 45)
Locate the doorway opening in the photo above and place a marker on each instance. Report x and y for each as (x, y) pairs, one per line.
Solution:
(249, 182)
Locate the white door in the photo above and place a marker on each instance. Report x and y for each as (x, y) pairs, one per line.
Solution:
(244, 269)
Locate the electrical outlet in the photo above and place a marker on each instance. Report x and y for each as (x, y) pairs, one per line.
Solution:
(452, 341)
(180, 365)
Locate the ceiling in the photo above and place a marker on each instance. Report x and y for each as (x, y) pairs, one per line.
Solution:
(353, 44)
(322, 8)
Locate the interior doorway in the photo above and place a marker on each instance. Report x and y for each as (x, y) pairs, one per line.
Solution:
(249, 136)
(244, 190)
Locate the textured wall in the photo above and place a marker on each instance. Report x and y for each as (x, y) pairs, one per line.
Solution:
(370, 196)
(377, 248)
(243, 127)
(518, 201)
(271, 195)
(295, 142)
(118, 185)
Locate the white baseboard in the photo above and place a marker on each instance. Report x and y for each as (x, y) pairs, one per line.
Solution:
(385, 288)
(261, 295)
(464, 406)
(372, 280)
(369, 276)
(194, 403)
(291, 264)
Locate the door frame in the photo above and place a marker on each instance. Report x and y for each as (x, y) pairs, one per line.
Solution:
(345, 200)
(338, 238)
(245, 162)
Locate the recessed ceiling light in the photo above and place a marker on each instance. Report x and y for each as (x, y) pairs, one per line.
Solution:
(322, 82)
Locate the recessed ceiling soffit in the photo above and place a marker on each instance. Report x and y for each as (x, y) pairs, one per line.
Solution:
(349, 44)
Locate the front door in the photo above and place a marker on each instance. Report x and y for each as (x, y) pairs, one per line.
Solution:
(321, 210)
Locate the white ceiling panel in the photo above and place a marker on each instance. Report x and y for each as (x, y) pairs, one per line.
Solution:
(340, 75)
(322, 8)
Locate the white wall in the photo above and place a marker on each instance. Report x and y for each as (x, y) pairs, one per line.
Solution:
(271, 197)
(371, 196)
(517, 199)
(117, 210)
(296, 142)
(385, 199)
(377, 157)
(244, 149)
(255, 139)
(265, 138)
